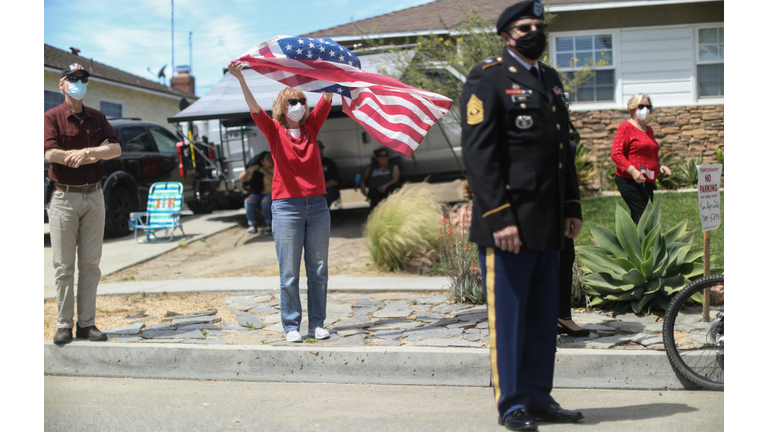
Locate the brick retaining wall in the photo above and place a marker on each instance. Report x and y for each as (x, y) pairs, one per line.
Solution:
(686, 131)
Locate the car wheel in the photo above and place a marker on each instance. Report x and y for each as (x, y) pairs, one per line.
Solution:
(121, 204)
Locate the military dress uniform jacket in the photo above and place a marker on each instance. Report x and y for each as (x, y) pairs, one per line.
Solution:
(516, 151)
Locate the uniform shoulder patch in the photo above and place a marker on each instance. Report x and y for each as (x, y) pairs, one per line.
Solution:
(475, 113)
(491, 61)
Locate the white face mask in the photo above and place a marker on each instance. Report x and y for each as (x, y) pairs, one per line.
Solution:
(296, 112)
(642, 114)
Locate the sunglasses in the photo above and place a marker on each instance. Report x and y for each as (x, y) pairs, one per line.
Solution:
(293, 102)
(75, 78)
(383, 155)
(641, 106)
(525, 28)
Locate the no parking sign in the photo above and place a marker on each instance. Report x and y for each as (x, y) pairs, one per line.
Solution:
(709, 196)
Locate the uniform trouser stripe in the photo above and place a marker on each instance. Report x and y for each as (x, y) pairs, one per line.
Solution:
(491, 298)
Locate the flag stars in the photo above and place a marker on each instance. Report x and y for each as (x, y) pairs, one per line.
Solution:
(311, 45)
(288, 47)
(301, 41)
(299, 51)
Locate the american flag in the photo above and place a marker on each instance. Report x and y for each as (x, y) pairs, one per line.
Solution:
(395, 114)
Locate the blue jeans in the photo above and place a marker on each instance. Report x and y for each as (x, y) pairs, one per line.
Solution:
(265, 200)
(302, 224)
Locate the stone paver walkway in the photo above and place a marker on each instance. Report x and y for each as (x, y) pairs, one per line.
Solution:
(383, 319)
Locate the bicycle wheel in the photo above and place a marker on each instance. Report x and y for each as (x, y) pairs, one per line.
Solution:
(695, 343)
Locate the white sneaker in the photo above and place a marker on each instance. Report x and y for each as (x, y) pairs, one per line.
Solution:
(293, 336)
(321, 333)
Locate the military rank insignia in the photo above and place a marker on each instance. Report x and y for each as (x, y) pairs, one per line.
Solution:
(475, 113)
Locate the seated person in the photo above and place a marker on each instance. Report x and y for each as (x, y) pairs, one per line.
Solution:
(381, 178)
(331, 176)
(258, 178)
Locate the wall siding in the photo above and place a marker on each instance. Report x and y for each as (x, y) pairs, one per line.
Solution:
(658, 61)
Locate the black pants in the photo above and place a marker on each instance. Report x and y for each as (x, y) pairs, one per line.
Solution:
(636, 195)
(565, 273)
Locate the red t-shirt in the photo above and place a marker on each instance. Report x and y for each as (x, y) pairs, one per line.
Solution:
(298, 167)
(632, 146)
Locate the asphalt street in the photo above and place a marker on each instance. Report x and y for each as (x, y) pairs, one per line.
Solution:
(118, 404)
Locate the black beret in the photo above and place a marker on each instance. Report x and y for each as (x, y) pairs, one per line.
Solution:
(520, 10)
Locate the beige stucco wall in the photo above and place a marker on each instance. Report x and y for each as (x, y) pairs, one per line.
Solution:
(136, 102)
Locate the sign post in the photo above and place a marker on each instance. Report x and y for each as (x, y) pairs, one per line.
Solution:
(709, 210)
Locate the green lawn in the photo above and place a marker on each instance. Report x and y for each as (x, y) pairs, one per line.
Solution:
(675, 206)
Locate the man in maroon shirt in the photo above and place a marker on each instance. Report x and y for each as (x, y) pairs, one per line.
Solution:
(77, 138)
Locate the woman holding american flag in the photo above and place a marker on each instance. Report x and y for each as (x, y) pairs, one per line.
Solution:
(300, 216)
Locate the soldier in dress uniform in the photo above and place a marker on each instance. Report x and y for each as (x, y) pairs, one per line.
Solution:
(516, 151)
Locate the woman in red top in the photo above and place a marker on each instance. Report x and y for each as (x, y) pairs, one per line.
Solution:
(636, 154)
(301, 221)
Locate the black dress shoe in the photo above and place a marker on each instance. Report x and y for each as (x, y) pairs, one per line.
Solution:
(63, 336)
(563, 329)
(557, 414)
(519, 420)
(91, 333)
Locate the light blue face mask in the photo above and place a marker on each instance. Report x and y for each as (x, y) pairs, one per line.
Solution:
(77, 90)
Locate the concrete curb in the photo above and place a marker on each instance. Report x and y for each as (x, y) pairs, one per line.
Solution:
(575, 368)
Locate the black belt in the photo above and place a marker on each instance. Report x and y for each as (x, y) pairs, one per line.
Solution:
(78, 189)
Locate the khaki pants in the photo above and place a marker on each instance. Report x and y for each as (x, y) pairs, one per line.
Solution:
(76, 222)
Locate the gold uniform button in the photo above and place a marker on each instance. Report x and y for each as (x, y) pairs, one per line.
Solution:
(561, 146)
(558, 126)
(554, 109)
(560, 165)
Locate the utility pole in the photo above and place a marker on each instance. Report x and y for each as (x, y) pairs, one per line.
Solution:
(190, 53)
(173, 59)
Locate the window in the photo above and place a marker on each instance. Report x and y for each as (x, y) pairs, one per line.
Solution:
(134, 139)
(111, 109)
(574, 53)
(710, 58)
(53, 99)
(166, 143)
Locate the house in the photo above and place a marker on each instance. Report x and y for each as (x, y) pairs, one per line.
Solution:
(672, 50)
(116, 93)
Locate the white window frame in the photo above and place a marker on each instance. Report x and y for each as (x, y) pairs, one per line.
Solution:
(116, 102)
(52, 90)
(616, 66)
(708, 100)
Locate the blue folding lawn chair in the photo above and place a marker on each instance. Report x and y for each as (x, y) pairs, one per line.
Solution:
(163, 213)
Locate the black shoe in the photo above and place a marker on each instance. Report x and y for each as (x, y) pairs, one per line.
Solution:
(519, 420)
(557, 414)
(91, 333)
(563, 329)
(63, 336)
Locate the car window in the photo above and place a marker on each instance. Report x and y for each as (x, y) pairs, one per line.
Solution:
(166, 142)
(134, 139)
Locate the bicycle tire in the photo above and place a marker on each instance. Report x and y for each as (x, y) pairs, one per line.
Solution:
(696, 348)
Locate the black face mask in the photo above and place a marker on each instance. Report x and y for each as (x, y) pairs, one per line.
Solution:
(532, 45)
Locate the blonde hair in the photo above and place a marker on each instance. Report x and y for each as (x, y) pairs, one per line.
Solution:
(635, 100)
(278, 106)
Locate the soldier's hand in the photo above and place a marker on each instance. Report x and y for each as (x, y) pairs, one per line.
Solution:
(508, 239)
(572, 227)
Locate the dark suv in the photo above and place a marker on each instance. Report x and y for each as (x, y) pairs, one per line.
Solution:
(149, 155)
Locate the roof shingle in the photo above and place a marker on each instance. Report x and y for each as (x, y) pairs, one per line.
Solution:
(59, 59)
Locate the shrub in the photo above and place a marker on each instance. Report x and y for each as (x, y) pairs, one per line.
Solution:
(403, 227)
(459, 257)
(639, 266)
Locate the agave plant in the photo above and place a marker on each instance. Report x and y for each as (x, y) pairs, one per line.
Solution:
(638, 266)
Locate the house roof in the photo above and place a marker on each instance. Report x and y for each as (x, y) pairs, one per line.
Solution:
(428, 16)
(58, 59)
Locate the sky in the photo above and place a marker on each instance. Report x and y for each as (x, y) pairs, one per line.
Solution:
(135, 35)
